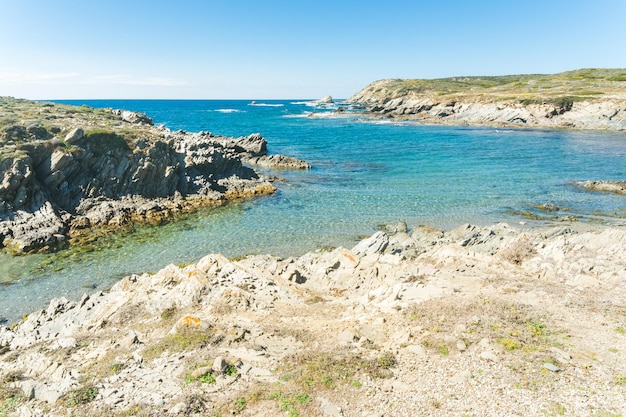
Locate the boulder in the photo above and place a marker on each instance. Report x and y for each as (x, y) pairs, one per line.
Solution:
(375, 244)
(74, 136)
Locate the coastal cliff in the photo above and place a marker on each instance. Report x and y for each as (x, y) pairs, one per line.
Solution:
(581, 99)
(474, 321)
(66, 170)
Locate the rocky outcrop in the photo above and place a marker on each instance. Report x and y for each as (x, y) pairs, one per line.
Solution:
(325, 100)
(577, 100)
(403, 319)
(52, 190)
(617, 187)
(252, 150)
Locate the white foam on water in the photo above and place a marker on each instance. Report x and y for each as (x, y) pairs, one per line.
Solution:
(228, 111)
(254, 103)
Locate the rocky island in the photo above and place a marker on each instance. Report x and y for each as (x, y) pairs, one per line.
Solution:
(68, 173)
(580, 99)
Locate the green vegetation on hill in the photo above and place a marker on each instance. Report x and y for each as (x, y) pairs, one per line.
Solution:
(560, 89)
(25, 121)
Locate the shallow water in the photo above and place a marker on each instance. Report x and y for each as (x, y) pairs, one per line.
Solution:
(364, 174)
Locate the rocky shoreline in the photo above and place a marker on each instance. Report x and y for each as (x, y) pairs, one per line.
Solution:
(474, 321)
(68, 173)
(593, 99)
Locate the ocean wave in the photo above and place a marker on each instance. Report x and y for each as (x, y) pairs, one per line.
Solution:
(320, 115)
(254, 103)
(297, 116)
(228, 111)
(316, 104)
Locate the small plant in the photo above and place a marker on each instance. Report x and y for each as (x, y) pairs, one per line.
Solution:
(206, 378)
(291, 402)
(231, 370)
(194, 404)
(9, 401)
(509, 344)
(179, 342)
(240, 404)
(168, 313)
(444, 350)
(387, 360)
(620, 330)
(82, 396)
(117, 367)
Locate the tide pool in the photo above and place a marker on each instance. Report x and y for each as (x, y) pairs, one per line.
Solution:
(365, 174)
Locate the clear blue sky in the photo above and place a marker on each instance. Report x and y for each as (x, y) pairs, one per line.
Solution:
(62, 49)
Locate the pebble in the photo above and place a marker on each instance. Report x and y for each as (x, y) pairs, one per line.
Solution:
(551, 367)
(490, 356)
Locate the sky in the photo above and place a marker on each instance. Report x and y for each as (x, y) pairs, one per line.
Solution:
(272, 49)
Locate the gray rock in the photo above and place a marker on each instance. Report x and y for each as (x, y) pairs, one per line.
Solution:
(197, 373)
(489, 356)
(94, 180)
(560, 355)
(278, 161)
(325, 100)
(375, 244)
(417, 350)
(329, 409)
(219, 365)
(347, 337)
(74, 136)
(551, 367)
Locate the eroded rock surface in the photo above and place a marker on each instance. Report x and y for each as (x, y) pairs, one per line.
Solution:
(398, 325)
(131, 171)
(582, 99)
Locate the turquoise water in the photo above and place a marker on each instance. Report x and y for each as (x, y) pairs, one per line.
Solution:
(364, 174)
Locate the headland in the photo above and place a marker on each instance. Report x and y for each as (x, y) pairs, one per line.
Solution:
(71, 173)
(581, 99)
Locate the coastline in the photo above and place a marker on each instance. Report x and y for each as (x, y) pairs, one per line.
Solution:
(585, 99)
(513, 317)
(77, 172)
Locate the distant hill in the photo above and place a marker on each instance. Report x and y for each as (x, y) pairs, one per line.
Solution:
(593, 98)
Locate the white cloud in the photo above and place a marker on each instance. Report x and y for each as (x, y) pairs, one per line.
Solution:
(14, 78)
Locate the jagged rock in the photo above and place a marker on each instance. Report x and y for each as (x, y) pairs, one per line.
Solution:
(248, 310)
(133, 117)
(375, 244)
(38, 132)
(486, 107)
(219, 365)
(74, 136)
(108, 180)
(617, 187)
(278, 161)
(325, 100)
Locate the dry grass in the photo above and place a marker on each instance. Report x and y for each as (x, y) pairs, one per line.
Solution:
(515, 327)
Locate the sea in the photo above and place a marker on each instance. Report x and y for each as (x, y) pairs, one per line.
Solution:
(365, 174)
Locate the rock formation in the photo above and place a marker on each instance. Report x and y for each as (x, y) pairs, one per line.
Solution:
(582, 99)
(411, 322)
(53, 189)
(617, 187)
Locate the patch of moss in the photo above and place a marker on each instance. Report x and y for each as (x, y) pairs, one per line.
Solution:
(184, 340)
(102, 141)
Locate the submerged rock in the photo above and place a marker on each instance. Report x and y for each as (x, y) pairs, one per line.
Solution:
(617, 187)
